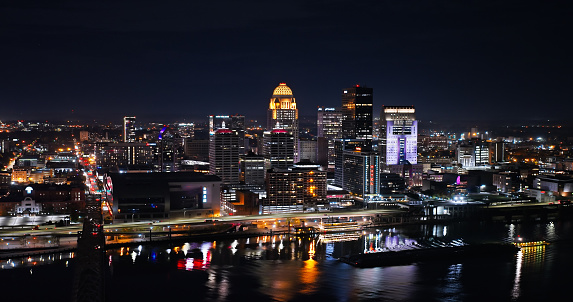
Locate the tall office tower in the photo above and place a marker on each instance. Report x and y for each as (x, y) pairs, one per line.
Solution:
(197, 149)
(232, 122)
(278, 149)
(282, 113)
(361, 173)
(398, 135)
(253, 169)
(129, 129)
(307, 150)
(340, 147)
(498, 150)
(329, 126)
(224, 155)
(357, 113)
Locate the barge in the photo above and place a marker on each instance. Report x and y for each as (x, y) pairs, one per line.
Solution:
(409, 256)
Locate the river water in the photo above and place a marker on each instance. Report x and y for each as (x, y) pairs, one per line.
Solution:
(305, 269)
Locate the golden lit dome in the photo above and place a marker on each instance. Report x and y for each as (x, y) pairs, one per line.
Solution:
(282, 89)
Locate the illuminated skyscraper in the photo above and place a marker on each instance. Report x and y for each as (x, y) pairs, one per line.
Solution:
(282, 113)
(129, 129)
(232, 122)
(399, 135)
(278, 149)
(224, 155)
(357, 113)
(329, 126)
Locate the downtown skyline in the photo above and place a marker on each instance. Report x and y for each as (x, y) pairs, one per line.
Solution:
(487, 61)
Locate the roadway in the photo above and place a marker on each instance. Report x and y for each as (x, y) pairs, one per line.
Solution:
(280, 219)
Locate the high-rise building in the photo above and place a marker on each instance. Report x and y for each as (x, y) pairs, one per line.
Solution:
(307, 150)
(84, 136)
(498, 149)
(340, 147)
(329, 126)
(398, 135)
(224, 155)
(293, 189)
(473, 153)
(129, 129)
(112, 155)
(197, 149)
(361, 173)
(278, 149)
(357, 104)
(282, 113)
(253, 169)
(232, 122)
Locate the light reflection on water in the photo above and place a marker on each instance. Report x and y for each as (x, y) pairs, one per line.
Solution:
(305, 268)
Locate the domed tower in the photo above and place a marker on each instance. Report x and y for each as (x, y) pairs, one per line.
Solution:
(282, 113)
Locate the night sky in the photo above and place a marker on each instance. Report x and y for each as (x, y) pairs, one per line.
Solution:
(182, 60)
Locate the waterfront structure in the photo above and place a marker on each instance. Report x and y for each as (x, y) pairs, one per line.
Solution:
(129, 129)
(283, 114)
(357, 105)
(278, 149)
(398, 135)
(506, 181)
(294, 189)
(391, 183)
(224, 155)
(559, 185)
(329, 126)
(161, 195)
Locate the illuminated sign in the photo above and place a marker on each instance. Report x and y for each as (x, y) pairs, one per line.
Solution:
(204, 194)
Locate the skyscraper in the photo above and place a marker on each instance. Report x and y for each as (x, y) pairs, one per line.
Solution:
(282, 113)
(329, 126)
(278, 149)
(224, 155)
(232, 122)
(129, 129)
(398, 135)
(357, 113)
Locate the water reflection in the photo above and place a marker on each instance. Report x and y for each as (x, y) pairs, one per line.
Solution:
(291, 268)
(36, 260)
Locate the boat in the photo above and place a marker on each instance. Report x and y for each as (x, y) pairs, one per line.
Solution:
(337, 227)
(448, 252)
(531, 243)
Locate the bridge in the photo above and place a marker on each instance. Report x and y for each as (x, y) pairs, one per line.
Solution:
(89, 280)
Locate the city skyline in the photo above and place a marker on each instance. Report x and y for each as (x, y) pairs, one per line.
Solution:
(104, 61)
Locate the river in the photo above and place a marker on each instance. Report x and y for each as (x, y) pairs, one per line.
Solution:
(305, 269)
